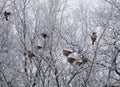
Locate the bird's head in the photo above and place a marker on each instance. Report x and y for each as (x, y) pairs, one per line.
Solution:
(28, 51)
(94, 32)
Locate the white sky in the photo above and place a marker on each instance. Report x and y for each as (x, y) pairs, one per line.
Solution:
(93, 3)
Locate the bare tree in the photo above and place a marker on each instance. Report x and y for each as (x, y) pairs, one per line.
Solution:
(47, 44)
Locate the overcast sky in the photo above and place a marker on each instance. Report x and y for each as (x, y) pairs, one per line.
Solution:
(93, 3)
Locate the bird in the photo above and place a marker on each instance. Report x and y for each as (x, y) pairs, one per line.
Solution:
(30, 54)
(6, 14)
(70, 59)
(44, 35)
(38, 47)
(84, 59)
(93, 37)
(67, 52)
(79, 63)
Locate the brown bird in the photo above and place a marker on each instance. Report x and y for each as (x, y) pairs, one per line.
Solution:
(79, 63)
(93, 37)
(44, 35)
(71, 60)
(6, 14)
(84, 59)
(38, 47)
(67, 52)
(30, 54)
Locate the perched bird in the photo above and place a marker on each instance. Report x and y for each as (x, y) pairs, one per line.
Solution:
(67, 52)
(30, 54)
(38, 47)
(71, 60)
(6, 14)
(84, 59)
(79, 63)
(93, 37)
(44, 35)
